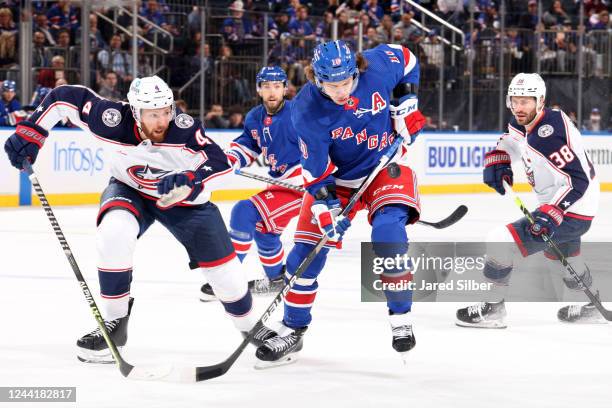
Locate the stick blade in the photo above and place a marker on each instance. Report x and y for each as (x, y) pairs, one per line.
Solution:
(457, 215)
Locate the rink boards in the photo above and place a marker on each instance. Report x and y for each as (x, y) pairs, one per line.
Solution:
(74, 167)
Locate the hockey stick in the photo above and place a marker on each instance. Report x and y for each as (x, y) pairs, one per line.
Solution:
(458, 214)
(607, 314)
(127, 370)
(208, 372)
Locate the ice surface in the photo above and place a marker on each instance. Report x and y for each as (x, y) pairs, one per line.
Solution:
(347, 359)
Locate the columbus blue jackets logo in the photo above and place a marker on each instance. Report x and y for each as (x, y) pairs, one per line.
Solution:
(111, 117)
(545, 131)
(184, 121)
(146, 177)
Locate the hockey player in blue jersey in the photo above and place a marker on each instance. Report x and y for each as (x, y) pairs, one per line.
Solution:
(10, 108)
(268, 131)
(564, 180)
(163, 169)
(346, 117)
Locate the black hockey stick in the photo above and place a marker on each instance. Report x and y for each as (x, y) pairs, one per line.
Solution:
(208, 372)
(607, 314)
(458, 214)
(126, 369)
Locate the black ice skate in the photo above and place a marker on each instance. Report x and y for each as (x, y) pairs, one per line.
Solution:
(582, 314)
(403, 338)
(260, 287)
(92, 347)
(261, 335)
(281, 349)
(483, 315)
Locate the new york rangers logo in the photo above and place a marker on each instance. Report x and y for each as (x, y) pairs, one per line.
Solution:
(146, 177)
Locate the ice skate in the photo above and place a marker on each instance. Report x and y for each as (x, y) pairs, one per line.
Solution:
(92, 347)
(281, 349)
(483, 315)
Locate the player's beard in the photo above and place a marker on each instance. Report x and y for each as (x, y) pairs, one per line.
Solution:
(273, 107)
(156, 135)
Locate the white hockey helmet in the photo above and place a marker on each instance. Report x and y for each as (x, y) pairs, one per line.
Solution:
(149, 93)
(527, 85)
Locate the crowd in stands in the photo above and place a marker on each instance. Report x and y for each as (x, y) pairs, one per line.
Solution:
(235, 30)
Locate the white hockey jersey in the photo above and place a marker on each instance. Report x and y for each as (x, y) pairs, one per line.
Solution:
(555, 161)
(136, 162)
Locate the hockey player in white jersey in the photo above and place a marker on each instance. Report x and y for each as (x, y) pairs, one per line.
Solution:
(563, 178)
(163, 169)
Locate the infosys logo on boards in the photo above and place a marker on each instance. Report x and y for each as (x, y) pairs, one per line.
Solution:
(75, 158)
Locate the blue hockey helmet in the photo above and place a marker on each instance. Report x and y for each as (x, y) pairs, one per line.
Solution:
(271, 74)
(9, 85)
(334, 61)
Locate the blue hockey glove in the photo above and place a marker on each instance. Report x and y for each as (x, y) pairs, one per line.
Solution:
(25, 143)
(179, 187)
(497, 168)
(547, 219)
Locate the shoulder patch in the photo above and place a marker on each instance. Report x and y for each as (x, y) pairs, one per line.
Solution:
(545, 131)
(111, 117)
(184, 121)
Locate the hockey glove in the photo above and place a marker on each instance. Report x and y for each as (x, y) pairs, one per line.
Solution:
(25, 143)
(179, 187)
(497, 169)
(547, 219)
(407, 119)
(325, 210)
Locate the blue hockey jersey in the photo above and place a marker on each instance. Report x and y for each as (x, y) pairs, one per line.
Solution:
(555, 161)
(349, 140)
(274, 137)
(136, 162)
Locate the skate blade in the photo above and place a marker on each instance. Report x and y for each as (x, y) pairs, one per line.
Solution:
(207, 298)
(264, 365)
(596, 320)
(404, 357)
(482, 325)
(96, 357)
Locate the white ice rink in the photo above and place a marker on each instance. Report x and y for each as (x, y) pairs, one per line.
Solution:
(347, 359)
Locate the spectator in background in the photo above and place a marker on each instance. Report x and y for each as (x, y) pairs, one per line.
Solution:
(238, 26)
(292, 8)
(7, 23)
(109, 87)
(399, 7)
(214, 118)
(41, 56)
(39, 94)
(372, 39)
(594, 6)
(385, 30)
(8, 40)
(63, 44)
(600, 21)
(60, 82)
(375, 12)
(324, 28)
(115, 59)
(409, 32)
(42, 25)
(236, 119)
(96, 40)
(151, 11)
(181, 104)
(556, 15)
(301, 27)
(48, 77)
(258, 27)
(63, 16)
(529, 18)
(290, 58)
(353, 10)
(9, 104)
(430, 125)
(282, 23)
(593, 123)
